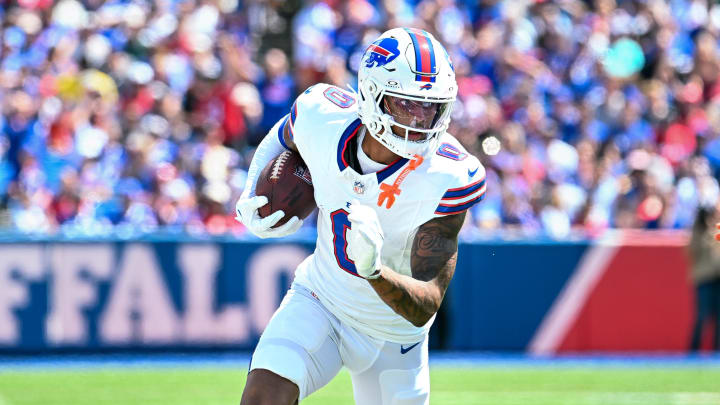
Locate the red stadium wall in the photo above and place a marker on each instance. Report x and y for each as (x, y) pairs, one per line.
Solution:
(644, 300)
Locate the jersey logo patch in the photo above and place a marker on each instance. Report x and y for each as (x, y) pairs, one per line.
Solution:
(303, 174)
(382, 52)
(451, 152)
(426, 86)
(471, 173)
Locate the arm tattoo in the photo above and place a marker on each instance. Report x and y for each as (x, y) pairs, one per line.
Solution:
(433, 259)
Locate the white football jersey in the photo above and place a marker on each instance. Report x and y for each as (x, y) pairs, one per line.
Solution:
(323, 121)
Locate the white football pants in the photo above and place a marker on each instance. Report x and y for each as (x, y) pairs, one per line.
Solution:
(308, 345)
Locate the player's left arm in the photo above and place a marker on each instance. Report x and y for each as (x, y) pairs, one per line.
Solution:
(432, 263)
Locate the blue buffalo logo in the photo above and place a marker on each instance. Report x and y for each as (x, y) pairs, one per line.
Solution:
(382, 52)
(426, 86)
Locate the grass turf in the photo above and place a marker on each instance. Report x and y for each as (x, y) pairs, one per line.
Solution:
(466, 386)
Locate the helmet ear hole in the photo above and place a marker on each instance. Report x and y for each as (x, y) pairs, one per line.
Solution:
(372, 87)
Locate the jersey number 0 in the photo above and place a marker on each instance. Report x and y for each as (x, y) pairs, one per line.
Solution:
(340, 225)
(338, 97)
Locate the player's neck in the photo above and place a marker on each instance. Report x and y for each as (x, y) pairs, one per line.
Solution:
(376, 151)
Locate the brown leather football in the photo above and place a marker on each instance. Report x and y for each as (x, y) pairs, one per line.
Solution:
(287, 184)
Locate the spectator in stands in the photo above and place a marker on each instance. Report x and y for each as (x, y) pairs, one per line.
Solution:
(705, 256)
(606, 113)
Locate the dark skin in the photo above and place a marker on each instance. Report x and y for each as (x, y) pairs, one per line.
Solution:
(263, 387)
(432, 263)
(416, 298)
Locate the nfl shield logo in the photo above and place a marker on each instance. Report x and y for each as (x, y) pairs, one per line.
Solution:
(358, 188)
(304, 174)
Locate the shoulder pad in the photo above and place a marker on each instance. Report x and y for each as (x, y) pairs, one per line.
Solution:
(320, 103)
(465, 185)
(325, 98)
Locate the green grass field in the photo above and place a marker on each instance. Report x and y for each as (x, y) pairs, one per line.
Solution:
(481, 386)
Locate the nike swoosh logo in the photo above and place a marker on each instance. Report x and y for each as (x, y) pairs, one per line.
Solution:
(472, 173)
(404, 350)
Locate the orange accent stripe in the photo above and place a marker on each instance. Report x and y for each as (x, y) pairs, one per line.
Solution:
(389, 192)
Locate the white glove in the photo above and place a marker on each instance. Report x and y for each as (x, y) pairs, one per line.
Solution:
(246, 213)
(365, 239)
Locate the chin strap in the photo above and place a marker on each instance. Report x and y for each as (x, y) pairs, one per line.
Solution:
(388, 192)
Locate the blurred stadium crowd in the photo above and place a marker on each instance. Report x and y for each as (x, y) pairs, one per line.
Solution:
(133, 116)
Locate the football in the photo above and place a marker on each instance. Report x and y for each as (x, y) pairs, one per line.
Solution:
(287, 184)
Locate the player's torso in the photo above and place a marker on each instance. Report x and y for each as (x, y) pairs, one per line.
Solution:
(336, 184)
(330, 272)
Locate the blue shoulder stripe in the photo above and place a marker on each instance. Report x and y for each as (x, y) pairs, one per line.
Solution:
(293, 113)
(444, 209)
(281, 130)
(460, 192)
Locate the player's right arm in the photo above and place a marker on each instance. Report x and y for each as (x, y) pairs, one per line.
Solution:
(293, 132)
(246, 208)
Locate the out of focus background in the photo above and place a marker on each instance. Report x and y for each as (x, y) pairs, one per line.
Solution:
(126, 129)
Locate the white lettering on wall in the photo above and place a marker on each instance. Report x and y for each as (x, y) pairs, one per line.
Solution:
(70, 292)
(199, 264)
(139, 307)
(26, 261)
(262, 279)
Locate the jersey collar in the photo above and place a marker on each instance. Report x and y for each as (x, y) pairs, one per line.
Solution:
(351, 132)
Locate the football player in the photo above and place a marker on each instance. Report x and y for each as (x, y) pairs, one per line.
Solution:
(392, 188)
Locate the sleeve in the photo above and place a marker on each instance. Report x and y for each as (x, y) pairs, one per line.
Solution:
(271, 146)
(320, 104)
(296, 120)
(302, 114)
(466, 190)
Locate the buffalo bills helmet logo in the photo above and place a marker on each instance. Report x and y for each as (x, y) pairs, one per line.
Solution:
(382, 52)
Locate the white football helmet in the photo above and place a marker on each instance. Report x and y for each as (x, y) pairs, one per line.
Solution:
(407, 88)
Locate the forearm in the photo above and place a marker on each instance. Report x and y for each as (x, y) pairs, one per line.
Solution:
(433, 258)
(415, 300)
